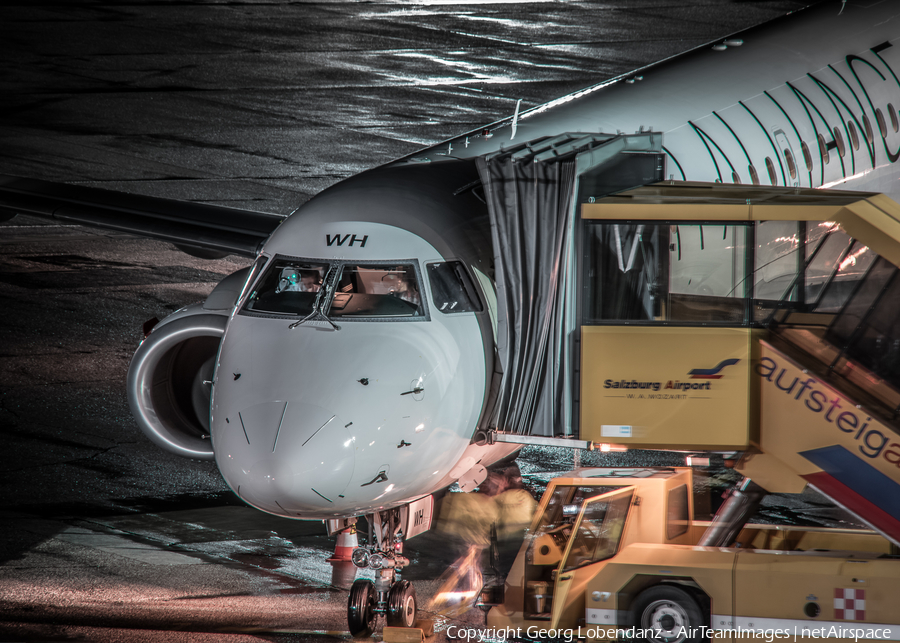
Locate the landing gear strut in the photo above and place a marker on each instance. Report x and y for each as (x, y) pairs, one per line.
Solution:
(388, 595)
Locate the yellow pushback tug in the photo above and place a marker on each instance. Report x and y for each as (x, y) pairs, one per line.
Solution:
(612, 554)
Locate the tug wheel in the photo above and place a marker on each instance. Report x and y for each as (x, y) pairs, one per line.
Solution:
(668, 614)
(361, 608)
(402, 605)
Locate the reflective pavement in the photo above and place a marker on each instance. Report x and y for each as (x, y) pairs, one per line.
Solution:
(257, 105)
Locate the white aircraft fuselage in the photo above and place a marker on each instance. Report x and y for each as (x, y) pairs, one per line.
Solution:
(314, 422)
(721, 108)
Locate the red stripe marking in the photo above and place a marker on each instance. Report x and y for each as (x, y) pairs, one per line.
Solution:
(875, 515)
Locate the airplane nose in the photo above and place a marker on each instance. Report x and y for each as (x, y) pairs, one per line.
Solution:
(285, 457)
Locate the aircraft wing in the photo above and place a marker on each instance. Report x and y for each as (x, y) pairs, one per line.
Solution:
(197, 228)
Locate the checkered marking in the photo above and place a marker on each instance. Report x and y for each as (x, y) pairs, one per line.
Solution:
(850, 604)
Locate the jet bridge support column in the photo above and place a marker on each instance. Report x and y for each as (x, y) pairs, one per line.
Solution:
(734, 513)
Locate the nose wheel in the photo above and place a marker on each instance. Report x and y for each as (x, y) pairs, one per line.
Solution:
(388, 595)
(364, 606)
(361, 608)
(401, 608)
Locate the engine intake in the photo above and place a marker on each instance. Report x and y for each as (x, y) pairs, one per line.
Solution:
(168, 388)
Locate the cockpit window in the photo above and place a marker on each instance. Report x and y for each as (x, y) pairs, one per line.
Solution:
(309, 289)
(451, 289)
(288, 287)
(383, 290)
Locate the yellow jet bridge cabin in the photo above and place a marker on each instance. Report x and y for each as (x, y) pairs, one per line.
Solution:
(611, 555)
(771, 325)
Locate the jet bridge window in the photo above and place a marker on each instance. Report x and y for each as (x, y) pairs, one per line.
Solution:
(806, 266)
(665, 273)
(777, 259)
(452, 290)
(288, 287)
(377, 290)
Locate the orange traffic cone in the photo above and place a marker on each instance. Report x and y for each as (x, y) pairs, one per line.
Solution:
(346, 543)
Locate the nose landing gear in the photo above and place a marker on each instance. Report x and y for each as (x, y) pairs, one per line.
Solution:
(388, 595)
(394, 599)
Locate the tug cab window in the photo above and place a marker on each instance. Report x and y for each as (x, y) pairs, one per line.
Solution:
(599, 529)
(382, 290)
(550, 540)
(452, 290)
(677, 519)
(288, 287)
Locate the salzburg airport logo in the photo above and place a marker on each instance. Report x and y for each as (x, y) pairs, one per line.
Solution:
(712, 373)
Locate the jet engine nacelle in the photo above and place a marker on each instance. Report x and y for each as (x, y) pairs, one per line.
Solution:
(169, 376)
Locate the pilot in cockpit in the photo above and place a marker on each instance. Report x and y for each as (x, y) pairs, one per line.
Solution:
(405, 287)
(309, 281)
(293, 280)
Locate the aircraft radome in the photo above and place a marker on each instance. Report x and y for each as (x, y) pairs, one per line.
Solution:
(348, 370)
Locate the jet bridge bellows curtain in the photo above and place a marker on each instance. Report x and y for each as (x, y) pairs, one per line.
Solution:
(529, 204)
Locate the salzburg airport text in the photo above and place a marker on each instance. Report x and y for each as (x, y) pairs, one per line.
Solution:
(655, 386)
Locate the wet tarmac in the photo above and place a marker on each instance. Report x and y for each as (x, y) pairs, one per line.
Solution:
(257, 105)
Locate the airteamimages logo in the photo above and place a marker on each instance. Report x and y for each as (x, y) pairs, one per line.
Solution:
(712, 373)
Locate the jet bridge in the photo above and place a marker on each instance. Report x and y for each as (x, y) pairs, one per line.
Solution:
(671, 315)
(533, 191)
(757, 319)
